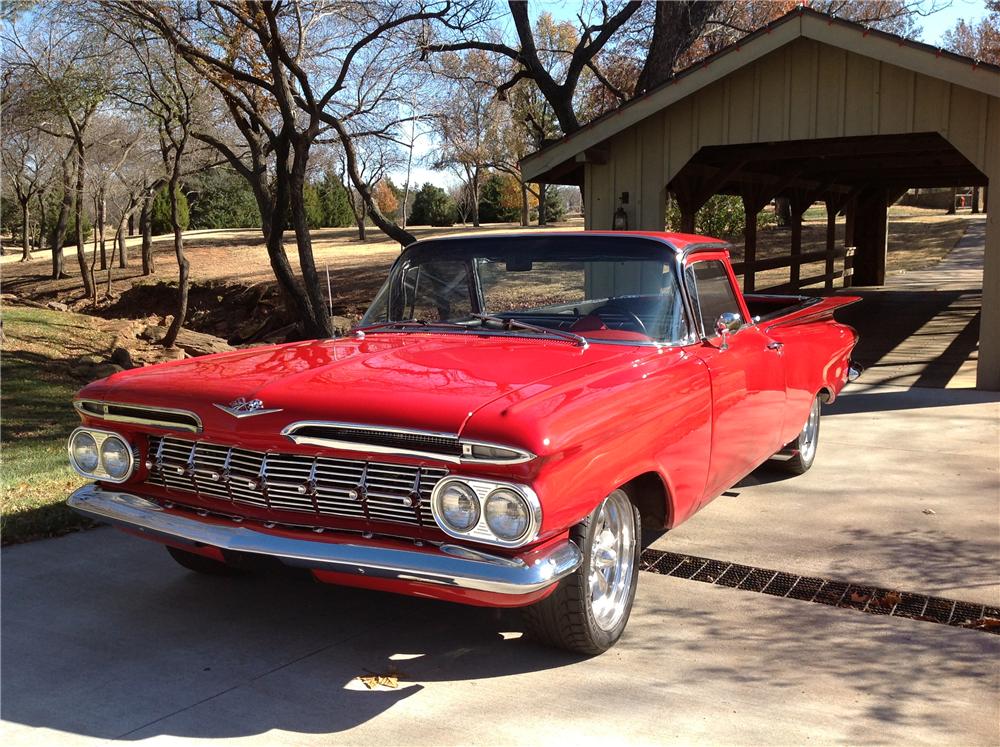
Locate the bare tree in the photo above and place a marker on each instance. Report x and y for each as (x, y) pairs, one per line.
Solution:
(71, 73)
(27, 157)
(465, 118)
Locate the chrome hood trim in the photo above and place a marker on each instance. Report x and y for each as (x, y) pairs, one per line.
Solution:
(168, 418)
(393, 441)
(448, 566)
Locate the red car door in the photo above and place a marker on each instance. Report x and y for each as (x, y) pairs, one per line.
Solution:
(747, 375)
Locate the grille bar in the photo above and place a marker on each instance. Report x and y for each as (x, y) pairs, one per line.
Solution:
(278, 482)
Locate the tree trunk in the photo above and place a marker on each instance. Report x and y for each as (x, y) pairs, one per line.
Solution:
(120, 239)
(145, 228)
(318, 325)
(389, 228)
(42, 222)
(525, 210)
(58, 259)
(102, 208)
(675, 27)
(131, 225)
(81, 175)
(358, 208)
(183, 267)
(783, 211)
(25, 232)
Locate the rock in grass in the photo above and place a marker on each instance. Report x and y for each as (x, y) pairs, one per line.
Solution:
(192, 343)
(122, 357)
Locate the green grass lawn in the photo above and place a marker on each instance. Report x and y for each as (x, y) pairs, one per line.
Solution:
(46, 359)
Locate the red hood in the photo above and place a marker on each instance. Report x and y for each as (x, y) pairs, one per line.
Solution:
(411, 380)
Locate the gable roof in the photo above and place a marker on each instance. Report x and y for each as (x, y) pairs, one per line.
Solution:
(799, 23)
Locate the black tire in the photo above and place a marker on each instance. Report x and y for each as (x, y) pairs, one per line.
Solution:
(805, 444)
(566, 619)
(201, 564)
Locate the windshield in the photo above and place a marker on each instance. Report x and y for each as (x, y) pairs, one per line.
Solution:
(612, 290)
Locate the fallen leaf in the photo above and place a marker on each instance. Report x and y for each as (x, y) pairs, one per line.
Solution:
(890, 599)
(984, 623)
(930, 511)
(859, 598)
(375, 679)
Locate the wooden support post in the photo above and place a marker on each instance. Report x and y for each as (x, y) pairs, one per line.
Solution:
(799, 202)
(755, 197)
(831, 240)
(870, 237)
(749, 246)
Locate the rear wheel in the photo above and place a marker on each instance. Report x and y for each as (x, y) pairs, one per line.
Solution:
(805, 443)
(588, 611)
(200, 564)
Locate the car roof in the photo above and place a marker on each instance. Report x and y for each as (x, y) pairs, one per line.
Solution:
(679, 243)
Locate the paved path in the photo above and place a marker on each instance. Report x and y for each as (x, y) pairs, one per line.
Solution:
(922, 327)
(104, 637)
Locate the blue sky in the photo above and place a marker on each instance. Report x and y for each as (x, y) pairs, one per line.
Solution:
(933, 25)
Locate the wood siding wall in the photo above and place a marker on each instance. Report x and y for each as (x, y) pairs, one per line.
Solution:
(801, 91)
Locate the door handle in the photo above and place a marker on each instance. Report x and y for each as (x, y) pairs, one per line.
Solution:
(775, 345)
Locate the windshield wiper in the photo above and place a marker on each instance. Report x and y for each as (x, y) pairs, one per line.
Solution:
(407, 323)
(509, 324)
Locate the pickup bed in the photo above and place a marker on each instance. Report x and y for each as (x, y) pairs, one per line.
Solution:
(498, 429)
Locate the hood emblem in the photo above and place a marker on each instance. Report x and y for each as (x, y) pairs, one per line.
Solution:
(245, 408)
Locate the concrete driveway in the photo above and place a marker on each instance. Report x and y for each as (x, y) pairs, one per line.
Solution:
(105, 638)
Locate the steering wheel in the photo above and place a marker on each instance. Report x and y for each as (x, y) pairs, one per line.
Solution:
(621, 311)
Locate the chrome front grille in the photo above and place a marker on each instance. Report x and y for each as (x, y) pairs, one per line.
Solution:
(294, 482)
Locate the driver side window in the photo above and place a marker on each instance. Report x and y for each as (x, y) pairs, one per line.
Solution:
(711, 292)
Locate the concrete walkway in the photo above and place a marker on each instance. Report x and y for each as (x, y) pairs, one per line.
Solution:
(104, 637)
(922, 327)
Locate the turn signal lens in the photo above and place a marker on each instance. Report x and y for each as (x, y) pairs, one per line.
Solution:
(458, 506)
(507, 514)
(481, 451)
(84, 452)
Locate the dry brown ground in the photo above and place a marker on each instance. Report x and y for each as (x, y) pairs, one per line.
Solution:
(232, 278)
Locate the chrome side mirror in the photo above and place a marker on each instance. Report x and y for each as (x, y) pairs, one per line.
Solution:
(728, 323)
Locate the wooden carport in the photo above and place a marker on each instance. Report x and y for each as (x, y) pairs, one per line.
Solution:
(811, 108)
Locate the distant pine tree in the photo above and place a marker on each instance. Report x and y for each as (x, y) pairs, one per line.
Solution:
(159, 212)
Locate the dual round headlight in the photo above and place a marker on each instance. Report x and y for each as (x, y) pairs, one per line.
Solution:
(100, 454)
(476, 509)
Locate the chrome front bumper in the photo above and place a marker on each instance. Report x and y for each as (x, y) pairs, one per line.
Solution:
(446, 565)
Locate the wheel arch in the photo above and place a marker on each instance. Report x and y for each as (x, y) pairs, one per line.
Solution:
(650, 493)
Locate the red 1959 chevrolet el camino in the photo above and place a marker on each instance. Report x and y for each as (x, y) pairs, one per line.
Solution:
(507, 417)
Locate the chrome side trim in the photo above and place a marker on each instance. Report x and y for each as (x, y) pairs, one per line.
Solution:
(104, 414)
(290, 432)
(333, 443)
(451, 567)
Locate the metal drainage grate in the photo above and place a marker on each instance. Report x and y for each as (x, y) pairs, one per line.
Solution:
(869, 599)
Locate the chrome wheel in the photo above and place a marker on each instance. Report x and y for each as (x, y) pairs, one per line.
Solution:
(810, 433)
(612, 555)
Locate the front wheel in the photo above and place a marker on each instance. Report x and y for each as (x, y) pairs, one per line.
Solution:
(804, 445)
(589, 610)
